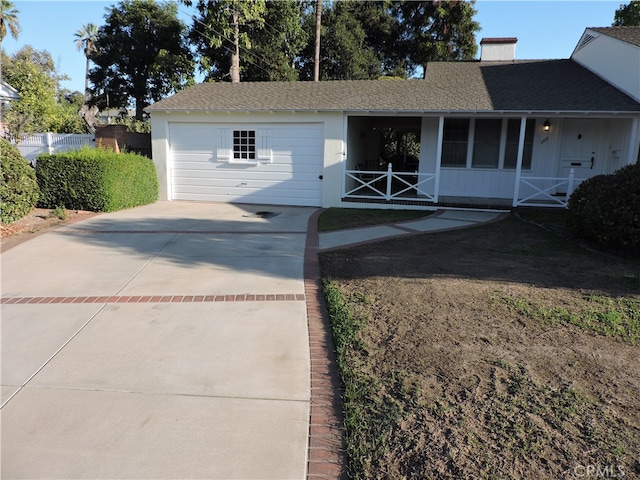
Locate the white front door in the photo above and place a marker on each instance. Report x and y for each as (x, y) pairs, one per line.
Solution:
(580, 147)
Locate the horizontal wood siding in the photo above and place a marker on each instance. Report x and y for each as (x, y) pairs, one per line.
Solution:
(201, 172)
(477, 183)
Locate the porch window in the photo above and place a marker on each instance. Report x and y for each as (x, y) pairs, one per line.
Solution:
(511, 147)
(486, 144)
(244, 145)
(454, 142)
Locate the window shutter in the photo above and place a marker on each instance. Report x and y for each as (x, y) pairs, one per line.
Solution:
(263, 146)
(224, 145)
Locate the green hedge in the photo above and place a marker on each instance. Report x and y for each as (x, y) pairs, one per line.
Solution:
(606, 209)
(18, 188)
(96, 179)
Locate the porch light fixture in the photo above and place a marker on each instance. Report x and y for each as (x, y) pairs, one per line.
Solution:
(546, 126)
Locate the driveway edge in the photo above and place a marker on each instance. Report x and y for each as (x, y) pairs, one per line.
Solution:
(326, 448)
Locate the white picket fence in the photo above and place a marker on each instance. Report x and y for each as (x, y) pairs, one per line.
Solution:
(33, 144)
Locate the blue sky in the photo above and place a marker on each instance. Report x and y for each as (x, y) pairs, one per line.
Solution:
(545, 29)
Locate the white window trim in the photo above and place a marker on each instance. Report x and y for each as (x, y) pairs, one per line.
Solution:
(470, 143)
(502, 152)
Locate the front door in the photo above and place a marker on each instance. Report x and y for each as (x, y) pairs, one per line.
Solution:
(579, 148)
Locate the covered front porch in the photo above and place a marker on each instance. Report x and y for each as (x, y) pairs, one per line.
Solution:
(480, 162)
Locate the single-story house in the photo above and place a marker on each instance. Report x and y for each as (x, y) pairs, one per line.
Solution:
(8, 94)
(496, 132)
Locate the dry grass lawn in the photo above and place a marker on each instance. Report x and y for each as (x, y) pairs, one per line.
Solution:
(497, 352)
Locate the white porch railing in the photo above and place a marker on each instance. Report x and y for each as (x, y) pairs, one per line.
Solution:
(389, 185)
(34, 144)
(543, 191)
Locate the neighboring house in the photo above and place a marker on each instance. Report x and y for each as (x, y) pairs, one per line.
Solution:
(7, 95)
(493, 133)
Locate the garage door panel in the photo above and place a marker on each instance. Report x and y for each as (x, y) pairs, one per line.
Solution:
(265, 171)
(271, 190)
(292, 177)
(257, 199)
(309, 182)
(295, 143)
(249, 194)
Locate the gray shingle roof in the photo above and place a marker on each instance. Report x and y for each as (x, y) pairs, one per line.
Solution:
(546, 85)
(626, 34)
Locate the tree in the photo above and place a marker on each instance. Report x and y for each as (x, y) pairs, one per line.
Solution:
(8, 23)
(86, 41)
(277, 44)
(436, 30)
(8, 20)
(628, 15)
(140, 56)
(356, 38)
(40, 107)
(222, 31)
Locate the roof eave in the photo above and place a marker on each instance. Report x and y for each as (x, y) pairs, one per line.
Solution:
(520, 112)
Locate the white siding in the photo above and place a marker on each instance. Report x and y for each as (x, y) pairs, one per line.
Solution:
(200, 166)
(613, 60)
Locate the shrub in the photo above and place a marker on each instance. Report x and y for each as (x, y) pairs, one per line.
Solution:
(606, 209)
(96, 179)
(18, 190)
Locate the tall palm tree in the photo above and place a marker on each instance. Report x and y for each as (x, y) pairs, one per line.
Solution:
(86, 40)
(8, 22)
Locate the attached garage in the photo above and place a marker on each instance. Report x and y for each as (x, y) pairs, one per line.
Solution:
(262, 163)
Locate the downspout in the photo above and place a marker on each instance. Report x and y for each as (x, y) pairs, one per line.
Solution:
(523, 130)
(436, 187)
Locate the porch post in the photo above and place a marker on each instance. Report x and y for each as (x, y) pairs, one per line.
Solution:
(523, 130)
(572, 176)
(634, 154)
(344, 160)
(436, 187)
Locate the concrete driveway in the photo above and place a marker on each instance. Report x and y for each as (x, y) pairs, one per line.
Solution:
(166, 341)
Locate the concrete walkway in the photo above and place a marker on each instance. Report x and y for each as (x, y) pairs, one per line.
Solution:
(166, 341)
(439, 221)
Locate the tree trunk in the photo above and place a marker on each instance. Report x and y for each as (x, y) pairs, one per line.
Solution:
(140, 106)
(235, 56)
(316, 58)
(86, 82)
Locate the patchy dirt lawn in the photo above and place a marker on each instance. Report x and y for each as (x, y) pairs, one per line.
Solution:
(501, 351)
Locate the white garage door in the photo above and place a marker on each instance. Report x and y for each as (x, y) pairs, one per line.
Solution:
(278, 164)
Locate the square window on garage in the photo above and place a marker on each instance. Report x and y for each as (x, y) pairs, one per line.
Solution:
(244, 145)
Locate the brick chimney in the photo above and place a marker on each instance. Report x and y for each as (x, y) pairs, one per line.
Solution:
(498, 49)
